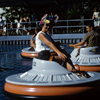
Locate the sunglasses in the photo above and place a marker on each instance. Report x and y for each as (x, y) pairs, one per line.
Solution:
(47, 24)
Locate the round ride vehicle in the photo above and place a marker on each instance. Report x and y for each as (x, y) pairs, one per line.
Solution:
(49, 80)
(87, 60)
(29, 52)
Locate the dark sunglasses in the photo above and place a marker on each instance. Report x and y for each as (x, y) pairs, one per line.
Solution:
(47, 24)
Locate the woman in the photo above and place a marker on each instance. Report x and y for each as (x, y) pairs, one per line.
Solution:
(95, 16)
(40, 43)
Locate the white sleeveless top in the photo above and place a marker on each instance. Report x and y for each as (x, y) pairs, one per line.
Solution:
(40, 46)
(96, 23)
(96, 14)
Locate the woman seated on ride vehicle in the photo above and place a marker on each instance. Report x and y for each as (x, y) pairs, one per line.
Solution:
(42, 40)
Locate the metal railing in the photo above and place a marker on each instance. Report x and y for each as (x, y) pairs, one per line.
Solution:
(76, 26)
(67, 31)
(30, 26)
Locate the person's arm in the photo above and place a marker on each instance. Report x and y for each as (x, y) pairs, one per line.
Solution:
(93, 16)
(33, 44)
(19, 25)
(52, 46)
(78, 44)
(84, 41)
(85, 44)
(57, 17)
(33, 37)
(33, 41)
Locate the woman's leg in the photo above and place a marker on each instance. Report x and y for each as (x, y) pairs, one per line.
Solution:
(58, 60)
(68, 64)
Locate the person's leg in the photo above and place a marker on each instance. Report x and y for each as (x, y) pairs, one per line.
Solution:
(68, 64)
(17, 31)
(20, 31)
(3, 32)
(78, 52)
(58, 60)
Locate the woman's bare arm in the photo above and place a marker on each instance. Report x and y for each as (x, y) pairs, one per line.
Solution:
(52, 46)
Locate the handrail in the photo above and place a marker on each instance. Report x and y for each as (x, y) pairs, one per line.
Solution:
(66, 26)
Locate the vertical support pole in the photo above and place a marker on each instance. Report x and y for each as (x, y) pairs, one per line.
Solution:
(7, 30)
(83, 25)
(22, 28)
(67, 26)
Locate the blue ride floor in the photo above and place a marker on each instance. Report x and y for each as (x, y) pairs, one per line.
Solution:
(11, 63)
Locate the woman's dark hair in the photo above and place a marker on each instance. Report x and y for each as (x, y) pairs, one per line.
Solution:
(37, 29)
(90, 25)
(96, 8)
(40, 28)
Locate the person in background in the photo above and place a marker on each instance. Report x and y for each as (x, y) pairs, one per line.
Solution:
(96, 16)
(53, 19)
(26, 25)
(1, 26)
(11, 26)
(57, 17)
(4, 29)
(91, 39)
(19, 25)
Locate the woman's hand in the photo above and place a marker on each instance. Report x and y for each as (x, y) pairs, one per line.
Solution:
(62, 56)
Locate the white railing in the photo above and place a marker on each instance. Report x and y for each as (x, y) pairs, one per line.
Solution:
(61, 27)
(66, 33)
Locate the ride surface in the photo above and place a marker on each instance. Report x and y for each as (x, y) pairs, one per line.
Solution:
(12, 63)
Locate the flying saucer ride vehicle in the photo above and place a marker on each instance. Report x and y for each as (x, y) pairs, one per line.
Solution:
(87, 60)
(29, 52)
(48, 79)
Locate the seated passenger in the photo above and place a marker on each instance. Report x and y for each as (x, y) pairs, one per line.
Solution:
(33, 46)
(91, 39)
(44, 54)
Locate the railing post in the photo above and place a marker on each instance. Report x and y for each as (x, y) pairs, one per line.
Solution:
(83, 25)
(67, 26)
(22, 29)
(52, 30)
(36, 24)
(7, 30)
